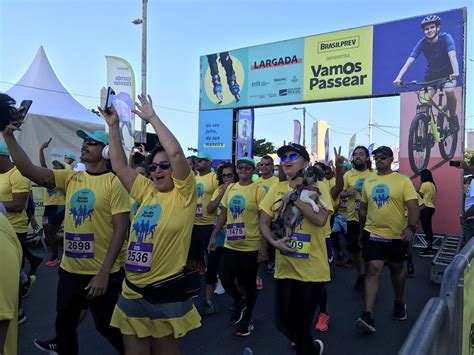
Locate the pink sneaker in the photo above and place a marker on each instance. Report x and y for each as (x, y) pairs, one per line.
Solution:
(323, 322)
(53, 262)
(259, 283)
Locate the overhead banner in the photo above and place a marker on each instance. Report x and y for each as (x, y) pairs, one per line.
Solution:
(215, 135)
(296, 131)
(121, 78)
(359, 62)
(245, 123)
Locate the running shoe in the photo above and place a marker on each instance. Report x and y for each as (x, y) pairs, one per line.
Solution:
(244, 329)
(410, 271)
(219, 290)
(26, 287)
(34, 265)
(48, 346)
(319, 345)
(366, 322)
(427, 253)
(259, 283)
(238, 310)
(399, 310)
(53, 262)
(323, 322)
(207, 309)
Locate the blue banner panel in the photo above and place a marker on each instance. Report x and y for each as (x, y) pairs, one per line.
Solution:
(245, 121)
(215, 134)
(428, 55)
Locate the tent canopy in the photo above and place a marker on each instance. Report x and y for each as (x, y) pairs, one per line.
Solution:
(53, 114)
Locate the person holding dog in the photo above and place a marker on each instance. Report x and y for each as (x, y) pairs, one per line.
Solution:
(301, 265)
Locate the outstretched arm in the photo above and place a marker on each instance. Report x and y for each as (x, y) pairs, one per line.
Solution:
(41, 153)
(404, 69)
(454, 65)
(37, 174)
(169, 142)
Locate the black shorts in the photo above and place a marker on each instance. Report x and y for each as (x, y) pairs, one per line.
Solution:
(353, 236)
(199, 241)
(53, 215)
(394, 251)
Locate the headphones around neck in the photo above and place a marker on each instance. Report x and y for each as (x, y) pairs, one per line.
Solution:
(105, 152)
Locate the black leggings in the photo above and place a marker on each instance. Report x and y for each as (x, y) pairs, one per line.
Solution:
(426, 214)
(71, 300)
(26, 252)
(295, 304)
(213, 265)
(240, 266)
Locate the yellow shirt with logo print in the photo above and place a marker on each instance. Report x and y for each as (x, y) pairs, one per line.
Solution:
(205, 186)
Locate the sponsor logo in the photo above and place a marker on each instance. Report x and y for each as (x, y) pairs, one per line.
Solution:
(276, 62)
(280, 80)
(347, 75)
(338, 44)
(291, 91)
(294, 79)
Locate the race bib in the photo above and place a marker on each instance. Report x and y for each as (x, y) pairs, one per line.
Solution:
(199, 210)
(357, 205)
(139, 257)
(379, 238)
(235, 231)
(302, 244)
(79, 245)
(343, 203)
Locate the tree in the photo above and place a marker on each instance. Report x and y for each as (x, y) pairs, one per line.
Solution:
(468, 153)
(93, 110)
(191, 149)
(261, 147)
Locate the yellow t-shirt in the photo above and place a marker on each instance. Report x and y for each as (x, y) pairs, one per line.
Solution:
(310, 262)
(53, 197)
(386, 196)
(330, 184)
(160, 234)
(67, 166)
(205, 187)
(214, 196)
(91, 201)
(242, 203)
(13, 182)
(428, 189)
(10, 267)
(266, 183)
(355, 178)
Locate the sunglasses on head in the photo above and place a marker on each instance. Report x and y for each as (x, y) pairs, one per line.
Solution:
(90, 141)
(164, 165)
(381, 157)
(244, 167)
(291, 157)
(231, 175)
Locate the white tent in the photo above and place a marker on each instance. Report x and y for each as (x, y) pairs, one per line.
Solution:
(54, 113)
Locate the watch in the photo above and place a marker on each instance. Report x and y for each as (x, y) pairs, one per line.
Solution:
(412, 228)
(293, 197)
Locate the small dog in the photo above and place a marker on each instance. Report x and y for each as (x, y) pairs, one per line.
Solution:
(308, 192)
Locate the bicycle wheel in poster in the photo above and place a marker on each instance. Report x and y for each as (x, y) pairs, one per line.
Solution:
(449, 137)
(419, 148)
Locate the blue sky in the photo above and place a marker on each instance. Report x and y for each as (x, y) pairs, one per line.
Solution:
(78, 34)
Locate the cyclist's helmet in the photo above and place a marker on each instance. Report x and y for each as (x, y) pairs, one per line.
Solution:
(431, 19)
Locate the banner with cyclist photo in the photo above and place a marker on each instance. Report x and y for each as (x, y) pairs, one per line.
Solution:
(431, 136)
(422, 48)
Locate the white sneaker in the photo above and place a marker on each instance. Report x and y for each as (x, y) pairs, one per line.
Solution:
(219, 290)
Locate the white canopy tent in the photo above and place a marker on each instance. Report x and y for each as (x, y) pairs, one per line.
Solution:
(53, 114)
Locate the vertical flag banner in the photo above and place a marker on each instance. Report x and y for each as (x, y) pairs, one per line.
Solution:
(215, 135)
(121, 78)
(326, 146)
(296, 131)
(245, 121)
(371, 148)
(352, 145)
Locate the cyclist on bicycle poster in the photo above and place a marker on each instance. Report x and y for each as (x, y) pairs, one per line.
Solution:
(440, 53)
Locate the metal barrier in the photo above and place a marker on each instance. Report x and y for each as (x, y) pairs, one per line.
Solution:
(438, 329)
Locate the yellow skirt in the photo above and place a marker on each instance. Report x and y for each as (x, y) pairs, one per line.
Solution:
(142, 319)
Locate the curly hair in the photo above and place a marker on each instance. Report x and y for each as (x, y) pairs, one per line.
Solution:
(220, 171)
(7, 110)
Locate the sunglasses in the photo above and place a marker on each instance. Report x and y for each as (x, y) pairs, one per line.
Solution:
(381, 157)
(265, 164)
(164, 165)
(244, 167)
(231, 175)
(90, 141)
(291, 157)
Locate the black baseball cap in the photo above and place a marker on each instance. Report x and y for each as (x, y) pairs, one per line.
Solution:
(293, 147)
(384, 150)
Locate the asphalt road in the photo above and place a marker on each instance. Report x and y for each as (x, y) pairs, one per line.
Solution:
(216, 334)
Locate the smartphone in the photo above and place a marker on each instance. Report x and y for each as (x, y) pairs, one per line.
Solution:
(109, 99)
(22, 112)
(455, 163)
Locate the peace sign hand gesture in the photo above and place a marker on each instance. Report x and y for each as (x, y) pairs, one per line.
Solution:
(338, 158)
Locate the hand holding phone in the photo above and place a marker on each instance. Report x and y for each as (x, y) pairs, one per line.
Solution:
(109, 99)
(22, 112)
